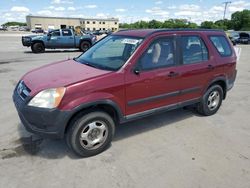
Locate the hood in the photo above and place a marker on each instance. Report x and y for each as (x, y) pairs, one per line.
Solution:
(34, 36)
(31, 36)
(59, 74)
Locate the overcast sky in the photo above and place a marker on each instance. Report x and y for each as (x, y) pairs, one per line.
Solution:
(126, 10)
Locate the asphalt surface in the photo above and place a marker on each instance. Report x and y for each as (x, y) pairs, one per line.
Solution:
(175, 149)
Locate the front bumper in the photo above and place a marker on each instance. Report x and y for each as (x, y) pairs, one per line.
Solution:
(26, 41)
(44, 122)
(230, 82)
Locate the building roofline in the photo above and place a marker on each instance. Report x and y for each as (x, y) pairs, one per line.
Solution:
(84, 19)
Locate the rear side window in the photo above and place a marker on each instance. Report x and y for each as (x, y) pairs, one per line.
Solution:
(66, 32)
(193, 50)
(222, 45)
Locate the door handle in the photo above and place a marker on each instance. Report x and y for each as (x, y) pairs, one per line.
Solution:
(173, 74)
(70, 37)
(210, 67)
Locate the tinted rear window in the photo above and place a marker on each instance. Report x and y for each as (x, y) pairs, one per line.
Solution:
(222, 45)
(66, 32)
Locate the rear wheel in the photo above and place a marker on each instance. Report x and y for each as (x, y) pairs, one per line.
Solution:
(90, 134)
(38, 47)
(84, 46)
(211, 101)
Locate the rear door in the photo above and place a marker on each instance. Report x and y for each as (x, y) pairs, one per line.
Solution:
(153, 81)
(67, 40)
(197, 66)
(226, 58)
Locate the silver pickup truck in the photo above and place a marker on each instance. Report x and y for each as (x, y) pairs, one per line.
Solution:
(61, 38)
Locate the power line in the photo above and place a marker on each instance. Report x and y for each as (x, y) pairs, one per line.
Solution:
(225, 9)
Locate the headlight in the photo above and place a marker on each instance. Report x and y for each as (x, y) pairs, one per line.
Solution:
(26, 39)
(49, 98)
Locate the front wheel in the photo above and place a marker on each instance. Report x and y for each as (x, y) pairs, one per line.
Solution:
(90, 134)
(211, 101)
(38, 47)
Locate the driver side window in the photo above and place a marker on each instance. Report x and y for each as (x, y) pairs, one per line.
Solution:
(159, 54)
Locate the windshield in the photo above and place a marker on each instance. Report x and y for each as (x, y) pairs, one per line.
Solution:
(111, 53)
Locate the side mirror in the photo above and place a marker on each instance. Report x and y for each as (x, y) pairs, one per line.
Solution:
(49, 36)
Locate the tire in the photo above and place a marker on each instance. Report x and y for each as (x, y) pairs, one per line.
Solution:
(211, 101)
(38, 47)
(90, 134)
(84, 46)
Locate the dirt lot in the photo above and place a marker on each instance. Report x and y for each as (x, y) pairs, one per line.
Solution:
(174, 149)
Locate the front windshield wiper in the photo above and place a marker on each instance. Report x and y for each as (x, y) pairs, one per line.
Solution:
(75, 59)
(93, 65)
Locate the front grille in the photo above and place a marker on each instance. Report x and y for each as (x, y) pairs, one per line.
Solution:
(26, 41)
(23, 90)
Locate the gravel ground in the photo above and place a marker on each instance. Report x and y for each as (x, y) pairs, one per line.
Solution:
(174, 149)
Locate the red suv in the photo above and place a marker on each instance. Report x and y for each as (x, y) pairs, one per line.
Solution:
(125, 76)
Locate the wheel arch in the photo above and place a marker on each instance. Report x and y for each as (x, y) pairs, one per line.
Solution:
(85, 40)
(107, 106)
(37, 41)
(221, 81)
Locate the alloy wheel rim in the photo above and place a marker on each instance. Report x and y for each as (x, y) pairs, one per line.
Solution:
(93, 135)
(213, 100)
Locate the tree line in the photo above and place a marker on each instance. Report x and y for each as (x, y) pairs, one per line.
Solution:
(7, 24)
(240, 20)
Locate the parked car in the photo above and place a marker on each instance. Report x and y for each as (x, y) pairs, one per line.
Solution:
(234, 37)
(244, 38)
(60, 38)
(108, 32)
(3, 28)
(37, 31)
(126, 76)
(99, 32)
(23, 28)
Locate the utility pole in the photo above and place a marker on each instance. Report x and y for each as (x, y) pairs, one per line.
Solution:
(225, 9)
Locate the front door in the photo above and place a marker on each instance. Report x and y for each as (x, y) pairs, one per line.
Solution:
(54, 39)
(153, 82)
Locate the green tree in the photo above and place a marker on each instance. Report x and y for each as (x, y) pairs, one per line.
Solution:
(246, 20)
(241, 20)
(154, 24)
(167, 24)
(208, 25)
(223, 24)
(192, 25)
(143, 24)
(237, 20)
(180, 23)
(124, 25)
(14, 24)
